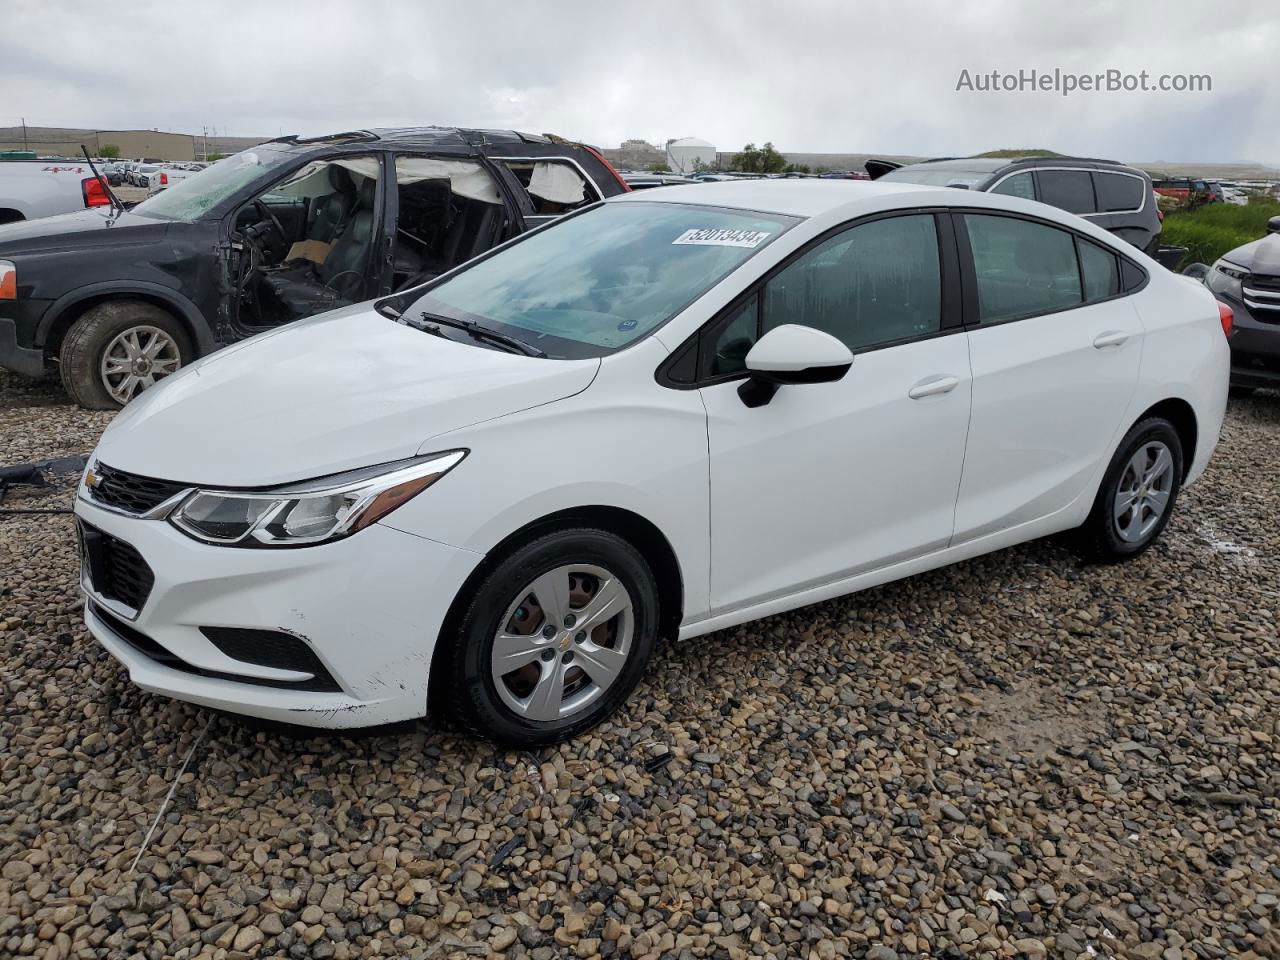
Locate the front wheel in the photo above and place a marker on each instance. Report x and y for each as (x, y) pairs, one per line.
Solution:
(555, 638)
(1137, 495)
(118, 349)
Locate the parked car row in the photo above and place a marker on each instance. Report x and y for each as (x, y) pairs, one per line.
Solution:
(1248, 280)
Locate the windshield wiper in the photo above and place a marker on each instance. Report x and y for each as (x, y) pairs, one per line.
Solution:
(431, 323)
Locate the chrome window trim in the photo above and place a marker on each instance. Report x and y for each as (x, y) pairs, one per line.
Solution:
(1087, 216)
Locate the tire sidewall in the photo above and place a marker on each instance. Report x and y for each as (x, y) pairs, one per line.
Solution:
(1103, 520)
(474, 690)
(87, 341)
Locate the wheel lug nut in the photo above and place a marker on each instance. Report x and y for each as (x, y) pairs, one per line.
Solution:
(548, 631)
(581, 636)
(548, 655)
(568, 657)
(569, 620)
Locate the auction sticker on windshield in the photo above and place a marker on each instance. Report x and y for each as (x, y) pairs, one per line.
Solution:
(721, 237)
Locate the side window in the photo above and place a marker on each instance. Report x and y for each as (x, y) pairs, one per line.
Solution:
(1022, 268)
(1117, 192)
(875, 283)
(554, 186)
(1101, 276)
(1019, 185)
(1072, 190)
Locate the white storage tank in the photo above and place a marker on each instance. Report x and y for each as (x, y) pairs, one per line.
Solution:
(689, 154)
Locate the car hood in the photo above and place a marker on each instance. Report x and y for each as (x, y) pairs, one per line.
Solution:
(343, 390)
(1261, 256)
(75, 229)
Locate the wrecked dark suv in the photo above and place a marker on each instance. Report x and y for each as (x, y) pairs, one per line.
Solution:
(117, 299)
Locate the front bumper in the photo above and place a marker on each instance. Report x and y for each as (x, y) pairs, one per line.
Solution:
(370, 608)
(1255, 350)
(26, 360)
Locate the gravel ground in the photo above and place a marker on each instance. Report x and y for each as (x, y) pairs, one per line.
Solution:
(1016, 756)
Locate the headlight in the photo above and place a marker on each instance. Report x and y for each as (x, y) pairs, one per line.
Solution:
(1227, 278)
(308, 513)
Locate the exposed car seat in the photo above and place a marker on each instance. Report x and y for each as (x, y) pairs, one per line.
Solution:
(309, 288)
(329, 213)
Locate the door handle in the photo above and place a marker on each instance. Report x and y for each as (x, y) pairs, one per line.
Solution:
(933, 387)
(1112, 338)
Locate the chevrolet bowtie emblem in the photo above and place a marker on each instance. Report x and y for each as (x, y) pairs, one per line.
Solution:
(91, 479)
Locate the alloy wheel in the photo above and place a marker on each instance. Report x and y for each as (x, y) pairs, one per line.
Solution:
(135, 359)
(1142, 496)
(563, 642)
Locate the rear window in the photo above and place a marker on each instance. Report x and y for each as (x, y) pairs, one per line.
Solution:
(1071, 190)
(554, 186)
(932, 176)
(1118, 192)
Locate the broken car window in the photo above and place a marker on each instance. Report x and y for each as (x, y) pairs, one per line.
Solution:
(193, 197)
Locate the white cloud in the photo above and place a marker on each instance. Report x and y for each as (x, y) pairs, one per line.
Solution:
(810, 76)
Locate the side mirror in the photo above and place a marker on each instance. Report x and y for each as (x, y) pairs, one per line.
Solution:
(1273, 225)
(792, 354)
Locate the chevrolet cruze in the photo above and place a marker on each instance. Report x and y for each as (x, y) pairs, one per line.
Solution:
(669, 413)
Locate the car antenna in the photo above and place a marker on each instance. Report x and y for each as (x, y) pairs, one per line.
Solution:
(115, 201)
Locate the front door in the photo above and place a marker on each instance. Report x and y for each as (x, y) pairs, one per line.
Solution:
(830, 480)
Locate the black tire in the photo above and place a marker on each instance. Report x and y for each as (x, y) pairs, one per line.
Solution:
(1099, 538)
(472, 697)
(80, 358)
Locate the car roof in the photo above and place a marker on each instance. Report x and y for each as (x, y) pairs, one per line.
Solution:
(797, 198)
(434, 136)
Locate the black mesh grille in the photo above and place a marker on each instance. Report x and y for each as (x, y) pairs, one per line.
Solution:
(270, 648)
(116, 570)
(145, 645)
(130, 492)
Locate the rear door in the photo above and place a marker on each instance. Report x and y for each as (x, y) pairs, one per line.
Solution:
(1055, 349)
(553, 186)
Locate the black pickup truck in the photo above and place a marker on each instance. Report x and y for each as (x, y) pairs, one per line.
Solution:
(117, 299)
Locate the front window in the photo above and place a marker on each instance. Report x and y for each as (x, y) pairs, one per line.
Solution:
(193, 197)
(595, 282)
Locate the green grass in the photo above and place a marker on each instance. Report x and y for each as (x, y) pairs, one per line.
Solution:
(1217, 228)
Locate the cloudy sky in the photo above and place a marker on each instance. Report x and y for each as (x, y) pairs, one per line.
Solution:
(810, 75)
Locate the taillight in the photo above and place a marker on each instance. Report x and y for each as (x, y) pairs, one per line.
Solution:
(95, 195)
(8, 280)
(164, 179)
(626, 187)
(1228, 318)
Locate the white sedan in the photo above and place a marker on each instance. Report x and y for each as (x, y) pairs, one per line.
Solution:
(667, 414)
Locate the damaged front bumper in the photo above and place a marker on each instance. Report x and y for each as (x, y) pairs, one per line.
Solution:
(359, 618)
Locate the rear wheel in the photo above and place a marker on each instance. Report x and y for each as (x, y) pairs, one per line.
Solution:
(118, 349)
(555, 638)
(1138, 493)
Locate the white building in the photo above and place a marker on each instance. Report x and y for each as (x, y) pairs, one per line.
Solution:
(689, 155)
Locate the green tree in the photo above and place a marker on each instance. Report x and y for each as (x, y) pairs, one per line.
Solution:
(659, 167)
(755, 159)
(109, 150)
(796, 168)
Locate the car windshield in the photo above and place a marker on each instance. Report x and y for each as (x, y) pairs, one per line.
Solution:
(595, 282)
(195, 196)
(935, 176)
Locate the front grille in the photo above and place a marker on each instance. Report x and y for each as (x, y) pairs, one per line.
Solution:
(116, 569)
(322, 681)
(130, 492)
(1264, 282)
